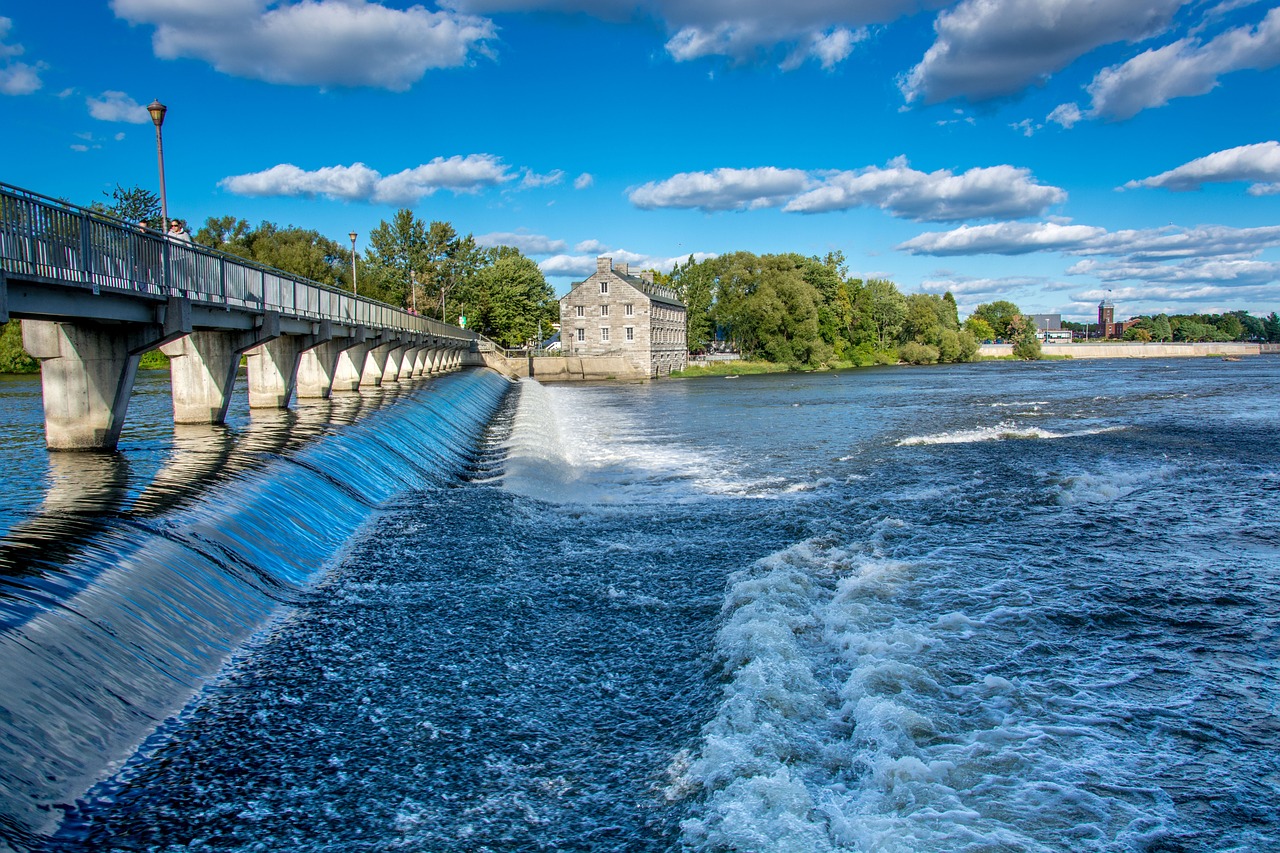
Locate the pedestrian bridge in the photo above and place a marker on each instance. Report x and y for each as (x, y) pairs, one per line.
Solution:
(94, 293)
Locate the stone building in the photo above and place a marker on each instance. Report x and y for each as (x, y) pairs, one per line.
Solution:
(618, 313)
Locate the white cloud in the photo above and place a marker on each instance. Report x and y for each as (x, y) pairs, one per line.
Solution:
(1219, 272)
(994, 48)
(358, 182)
(587, 247)
(532, 180)
(722, 189)
(580, 266)
(16, 78)
(1183, 68)
(1066, 115)
(586, 179)
(117, 106)
(941, 196)
(529, 244)
(1258, 164)
(740, 30)
(19, 78)
(312, 42)
(1002, 238)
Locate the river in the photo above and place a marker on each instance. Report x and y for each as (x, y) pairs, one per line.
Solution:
(991, 607)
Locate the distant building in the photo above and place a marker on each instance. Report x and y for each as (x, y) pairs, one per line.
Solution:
(617, 313)
(1107, 319)
(1047, 322)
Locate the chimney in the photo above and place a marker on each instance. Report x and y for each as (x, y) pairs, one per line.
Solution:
(604, 264)
(647, 276)
(624, 268)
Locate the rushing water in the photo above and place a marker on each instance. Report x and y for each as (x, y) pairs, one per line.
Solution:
(997, 607)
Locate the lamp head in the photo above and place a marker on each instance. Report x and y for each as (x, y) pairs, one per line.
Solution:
(157, 111)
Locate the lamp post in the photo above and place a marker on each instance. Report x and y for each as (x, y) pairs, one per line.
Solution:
(157, 111)
(352, 235)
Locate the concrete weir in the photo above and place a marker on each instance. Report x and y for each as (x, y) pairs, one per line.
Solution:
(91, 306)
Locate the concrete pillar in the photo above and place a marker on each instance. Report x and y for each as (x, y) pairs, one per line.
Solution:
(316, 368)
(203, 368)
(391, 369)
(421, 366)
(407, 362)
(274, 367)
(375, 365)
(87, 373)
(273, 372)
(350, 367)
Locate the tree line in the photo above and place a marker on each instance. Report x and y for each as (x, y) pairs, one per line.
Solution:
(809, 312)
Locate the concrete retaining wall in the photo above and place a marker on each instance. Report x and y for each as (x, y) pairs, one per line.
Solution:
(569, 368)
(1117, 349)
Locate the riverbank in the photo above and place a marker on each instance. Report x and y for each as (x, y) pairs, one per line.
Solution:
(1130, 349)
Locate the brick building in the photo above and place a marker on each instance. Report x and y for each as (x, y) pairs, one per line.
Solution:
(617, 313)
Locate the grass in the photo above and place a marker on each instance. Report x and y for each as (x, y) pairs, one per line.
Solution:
(729, 368)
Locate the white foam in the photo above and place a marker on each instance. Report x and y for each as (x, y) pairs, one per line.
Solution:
(570, 445)
(1003, 431)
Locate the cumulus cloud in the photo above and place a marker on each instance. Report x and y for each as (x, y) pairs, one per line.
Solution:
(1182, 69)
(1219, 272)
(591, 246)
(941, 196)
(993, 48)
(1067, 115)
(1139, 245)
(358, 182)
(1002, 238)
(312, 42)
(581, 266)
(583, 181)
(824, 31)
(722, 189)
(117, 106)
(529, 244)
(16, 78)
(1258, 164)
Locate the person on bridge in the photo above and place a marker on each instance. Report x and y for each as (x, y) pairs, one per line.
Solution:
(178, 232)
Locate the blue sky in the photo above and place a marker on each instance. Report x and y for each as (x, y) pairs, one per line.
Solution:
(1049, 152)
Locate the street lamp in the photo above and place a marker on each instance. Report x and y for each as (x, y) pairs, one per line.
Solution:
(352, 235)
(157, 111)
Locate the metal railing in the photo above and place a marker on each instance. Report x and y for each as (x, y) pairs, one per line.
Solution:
(51, 241)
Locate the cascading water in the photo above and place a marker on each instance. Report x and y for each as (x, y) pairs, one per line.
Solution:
(117, 607)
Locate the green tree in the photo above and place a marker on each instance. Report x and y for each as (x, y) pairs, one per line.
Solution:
(13, 358)
(508, 299)
(300, 251)
(884, 308)
(132, 204)
(980, 328)
(695, 284)
(999, 316)
(1025, 337)
(1272, 325)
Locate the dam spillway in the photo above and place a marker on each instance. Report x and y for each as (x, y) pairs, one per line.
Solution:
(118, 601)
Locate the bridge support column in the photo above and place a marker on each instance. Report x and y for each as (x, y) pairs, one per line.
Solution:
(350, 368)
(274, 366)
(395, 357)
(87, 373)
(318, 367)
(203, 368)
(420, 363)
(375, 365)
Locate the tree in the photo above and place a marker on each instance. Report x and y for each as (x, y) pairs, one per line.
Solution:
(13, 358)
(999, 315)
(132, 204)
(1025, 337)
(300, 251)
(980, 328)
(885, 310)
(508, 299)
(1272, 324)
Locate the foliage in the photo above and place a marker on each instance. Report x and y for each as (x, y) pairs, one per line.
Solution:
(509, 300)
(13, 358)
(297, 250)
(1025, 337)
(730, 368)
(981, 329)
(914, 352)
(999, 316)
(1137, 333)
(132, 204)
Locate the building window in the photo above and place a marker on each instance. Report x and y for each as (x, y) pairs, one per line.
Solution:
(604, 334)
(581, 310)
(582, 334)
(604, 287)
(628, 309)
(631, 333)
(604, 310)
